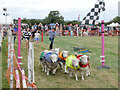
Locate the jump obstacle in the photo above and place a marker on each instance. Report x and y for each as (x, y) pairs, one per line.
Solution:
(15, 74)
(103, 49)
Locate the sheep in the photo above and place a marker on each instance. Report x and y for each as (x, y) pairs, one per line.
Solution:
(51, 62)
(56, 50)
(84, 65)
(72, 65)
(62, 57)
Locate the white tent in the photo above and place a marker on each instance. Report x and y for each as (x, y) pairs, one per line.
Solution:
(113, 25)
(116, 24)
(6, 20)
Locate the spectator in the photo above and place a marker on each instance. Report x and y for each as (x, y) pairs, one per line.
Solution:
(52, 34)
(37, 36)
(14, 35)
(27, 36)
(35, 27)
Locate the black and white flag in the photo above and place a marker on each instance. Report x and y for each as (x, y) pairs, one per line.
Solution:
(93, 16)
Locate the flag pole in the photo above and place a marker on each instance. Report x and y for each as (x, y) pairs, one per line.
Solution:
(103, 49)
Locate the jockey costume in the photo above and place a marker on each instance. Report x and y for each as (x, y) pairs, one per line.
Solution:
(69, 62)
(61, 58)
(47, 56)
(83, 65)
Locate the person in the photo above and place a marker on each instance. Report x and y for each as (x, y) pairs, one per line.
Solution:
(52, 34)
(14, 35)
(35, 27)
(37, 36)
(27, 35)
(30, 26)
(23, 32)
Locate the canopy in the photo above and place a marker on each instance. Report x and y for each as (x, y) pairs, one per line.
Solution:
(113, 25)
(6, 20)
(52, 24)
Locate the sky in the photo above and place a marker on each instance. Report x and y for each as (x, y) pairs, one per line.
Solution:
(69, 9)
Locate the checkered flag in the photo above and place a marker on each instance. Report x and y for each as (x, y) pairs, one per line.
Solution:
(93, 16)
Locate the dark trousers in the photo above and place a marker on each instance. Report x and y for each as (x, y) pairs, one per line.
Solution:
(51, 44)
(0, 49)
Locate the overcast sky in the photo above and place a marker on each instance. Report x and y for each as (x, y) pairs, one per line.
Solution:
(69, 9)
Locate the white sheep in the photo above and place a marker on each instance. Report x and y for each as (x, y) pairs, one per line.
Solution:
(72, 65)
(84, 65)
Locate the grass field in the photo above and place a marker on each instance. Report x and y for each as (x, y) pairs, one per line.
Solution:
(98, 78)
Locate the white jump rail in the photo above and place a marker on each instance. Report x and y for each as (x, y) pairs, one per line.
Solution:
(31, 64)
(23, 79)
(17, 79)
(11, 63)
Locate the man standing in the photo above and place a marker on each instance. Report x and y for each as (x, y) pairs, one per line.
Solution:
(52, 34)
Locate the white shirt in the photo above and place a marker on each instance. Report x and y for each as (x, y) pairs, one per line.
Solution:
(37, 35)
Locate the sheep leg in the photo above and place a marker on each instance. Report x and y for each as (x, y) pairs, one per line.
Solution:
(87, 73)
(39, 62)
(65, 69)
(54, 71)
(48, 71)
(76, 75)
(82, 78)
(45, 69)
(61, 65)
(70, 73)
(43, 66)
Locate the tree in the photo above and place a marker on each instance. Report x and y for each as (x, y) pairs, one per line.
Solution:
(24, 20)
(115, 20)
(53, 17)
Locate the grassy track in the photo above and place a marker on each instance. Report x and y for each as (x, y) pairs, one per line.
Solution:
(98, 78)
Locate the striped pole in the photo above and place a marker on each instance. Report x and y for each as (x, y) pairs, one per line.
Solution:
(23, 79)
(11, 62)
(17, 79)
(19, 40)
(9, 39)
(103, 48)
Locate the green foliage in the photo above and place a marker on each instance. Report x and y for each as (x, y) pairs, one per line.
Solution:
(115, 20)
(74, 22)
(54, 17)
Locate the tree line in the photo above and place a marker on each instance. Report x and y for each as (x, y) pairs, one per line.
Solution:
(56, 17)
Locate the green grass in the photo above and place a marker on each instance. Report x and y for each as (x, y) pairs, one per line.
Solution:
(1, 70)
(98, 78)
